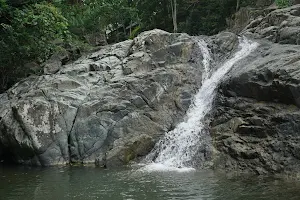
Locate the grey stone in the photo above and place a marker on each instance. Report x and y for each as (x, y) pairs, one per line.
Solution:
(96, 39)
(262, 92)
(279, 25)
(106, 108)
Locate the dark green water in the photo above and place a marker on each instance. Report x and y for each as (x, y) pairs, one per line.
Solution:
(84, 183)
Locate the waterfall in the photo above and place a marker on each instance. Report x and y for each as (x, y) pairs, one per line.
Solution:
(206, 58)
(178, 147)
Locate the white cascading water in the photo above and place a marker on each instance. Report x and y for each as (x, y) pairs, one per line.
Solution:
(206, 58)
(179, 146)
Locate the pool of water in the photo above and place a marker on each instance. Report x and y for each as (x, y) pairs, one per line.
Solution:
(84, 183)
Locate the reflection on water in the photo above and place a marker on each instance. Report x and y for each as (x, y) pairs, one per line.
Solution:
(85, 183)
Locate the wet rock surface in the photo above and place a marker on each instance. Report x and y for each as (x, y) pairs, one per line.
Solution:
(255, 120)
(255, 124)
(107, 108)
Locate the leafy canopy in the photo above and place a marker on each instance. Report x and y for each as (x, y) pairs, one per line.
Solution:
(27, 33)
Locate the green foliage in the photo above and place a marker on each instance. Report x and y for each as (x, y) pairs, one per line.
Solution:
(194, 17)
(98, 15)
(35, 28)
(283, 3)
(28, 33)
(3, 7)
(154, 14)
(208, 17)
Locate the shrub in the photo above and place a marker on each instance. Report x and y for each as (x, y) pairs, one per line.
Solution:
(283, 3)
(35, 29)
(27, 33)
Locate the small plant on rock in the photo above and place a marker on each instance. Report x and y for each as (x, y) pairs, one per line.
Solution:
(283, 3)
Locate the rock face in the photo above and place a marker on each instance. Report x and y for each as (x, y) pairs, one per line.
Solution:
(255, 123)
(280, 26)
(107, 108)
(110, 107)
(276, 25)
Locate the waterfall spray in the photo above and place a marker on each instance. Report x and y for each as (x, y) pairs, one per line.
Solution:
(177, 149)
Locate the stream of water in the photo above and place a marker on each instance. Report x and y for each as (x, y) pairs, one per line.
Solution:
(177, 150)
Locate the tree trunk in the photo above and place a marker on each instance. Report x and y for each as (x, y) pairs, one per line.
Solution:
(174, 14)
(130, 28)
(238, 5)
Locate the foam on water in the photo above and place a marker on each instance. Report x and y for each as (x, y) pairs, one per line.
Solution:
(164, 168)
(175, 152)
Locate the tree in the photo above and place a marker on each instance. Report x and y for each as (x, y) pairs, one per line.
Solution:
(98, 15)
(174, 14)
(237, 5)
(27, 33)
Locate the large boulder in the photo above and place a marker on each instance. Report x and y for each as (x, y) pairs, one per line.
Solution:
(107, 108)
(255, 123)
